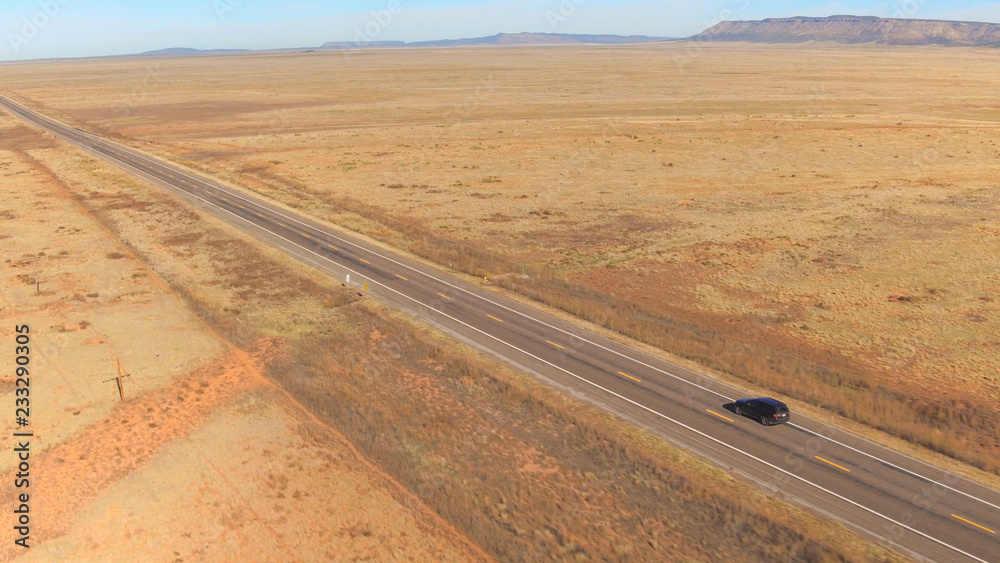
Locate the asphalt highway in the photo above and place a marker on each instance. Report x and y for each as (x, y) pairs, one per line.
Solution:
(920, 510)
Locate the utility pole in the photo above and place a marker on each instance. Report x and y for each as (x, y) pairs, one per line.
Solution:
(121, 376)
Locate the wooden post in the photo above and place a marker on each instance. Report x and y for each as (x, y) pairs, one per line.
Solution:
(121, 376)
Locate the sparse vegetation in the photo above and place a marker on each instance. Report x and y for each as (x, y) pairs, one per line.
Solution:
(835, 246)
(716, 247)
(523, 471)
(953, 426)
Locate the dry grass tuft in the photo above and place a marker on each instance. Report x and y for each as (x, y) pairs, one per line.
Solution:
(521, 470)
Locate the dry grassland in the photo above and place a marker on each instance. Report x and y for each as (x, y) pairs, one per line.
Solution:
(206, 459)
(816, 220)
(519, 469)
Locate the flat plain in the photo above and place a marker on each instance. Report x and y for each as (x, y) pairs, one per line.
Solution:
(205, 459)
(395, 442)
(816, 220)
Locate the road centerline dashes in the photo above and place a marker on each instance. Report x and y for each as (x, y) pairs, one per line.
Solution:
(832, 463)
(973, 523)
(623, 374)
(719, 415)
(839, 496)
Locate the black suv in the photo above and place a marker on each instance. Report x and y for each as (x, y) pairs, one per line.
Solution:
(767, 410)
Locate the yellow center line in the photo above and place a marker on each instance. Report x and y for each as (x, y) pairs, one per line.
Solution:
(333, 247)
(305, 235)
(282, 224)
(241, 207)
(494, 318)
(832, 463)
(445, 296)
(401, 277)
(556, 345)
(720, 416)
(224, 199)
(365, 261)
(259, 215)
(973, 523)
(629, 376)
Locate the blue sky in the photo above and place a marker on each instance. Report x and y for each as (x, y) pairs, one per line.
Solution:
(71, 28)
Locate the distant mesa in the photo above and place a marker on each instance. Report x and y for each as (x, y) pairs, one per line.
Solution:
(543, 39)
(506, 39)
(857, 29)
(798, 29)
(180, 51)
(353, 45)
(498, 39)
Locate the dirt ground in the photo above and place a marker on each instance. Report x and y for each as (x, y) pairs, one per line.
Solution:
(827, 204)
(337, 428)
(205, 459)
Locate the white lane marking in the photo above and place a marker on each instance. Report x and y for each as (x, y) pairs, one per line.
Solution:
(893, 465)
(620, 354)
(333, 235)
(622, 397)
(610, 392)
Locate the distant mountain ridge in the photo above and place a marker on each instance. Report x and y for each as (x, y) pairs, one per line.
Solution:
(353, 45)
(857, 29)
(524, 38)
(179, 51)
(798, 29)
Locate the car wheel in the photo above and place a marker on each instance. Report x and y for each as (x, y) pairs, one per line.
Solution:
(738, 411)
(765, 421)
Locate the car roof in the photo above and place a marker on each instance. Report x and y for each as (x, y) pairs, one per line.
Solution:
(770, 401)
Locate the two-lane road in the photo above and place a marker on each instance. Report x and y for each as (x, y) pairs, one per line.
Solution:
(909, 505)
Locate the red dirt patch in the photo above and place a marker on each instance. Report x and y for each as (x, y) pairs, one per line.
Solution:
(78, 471)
